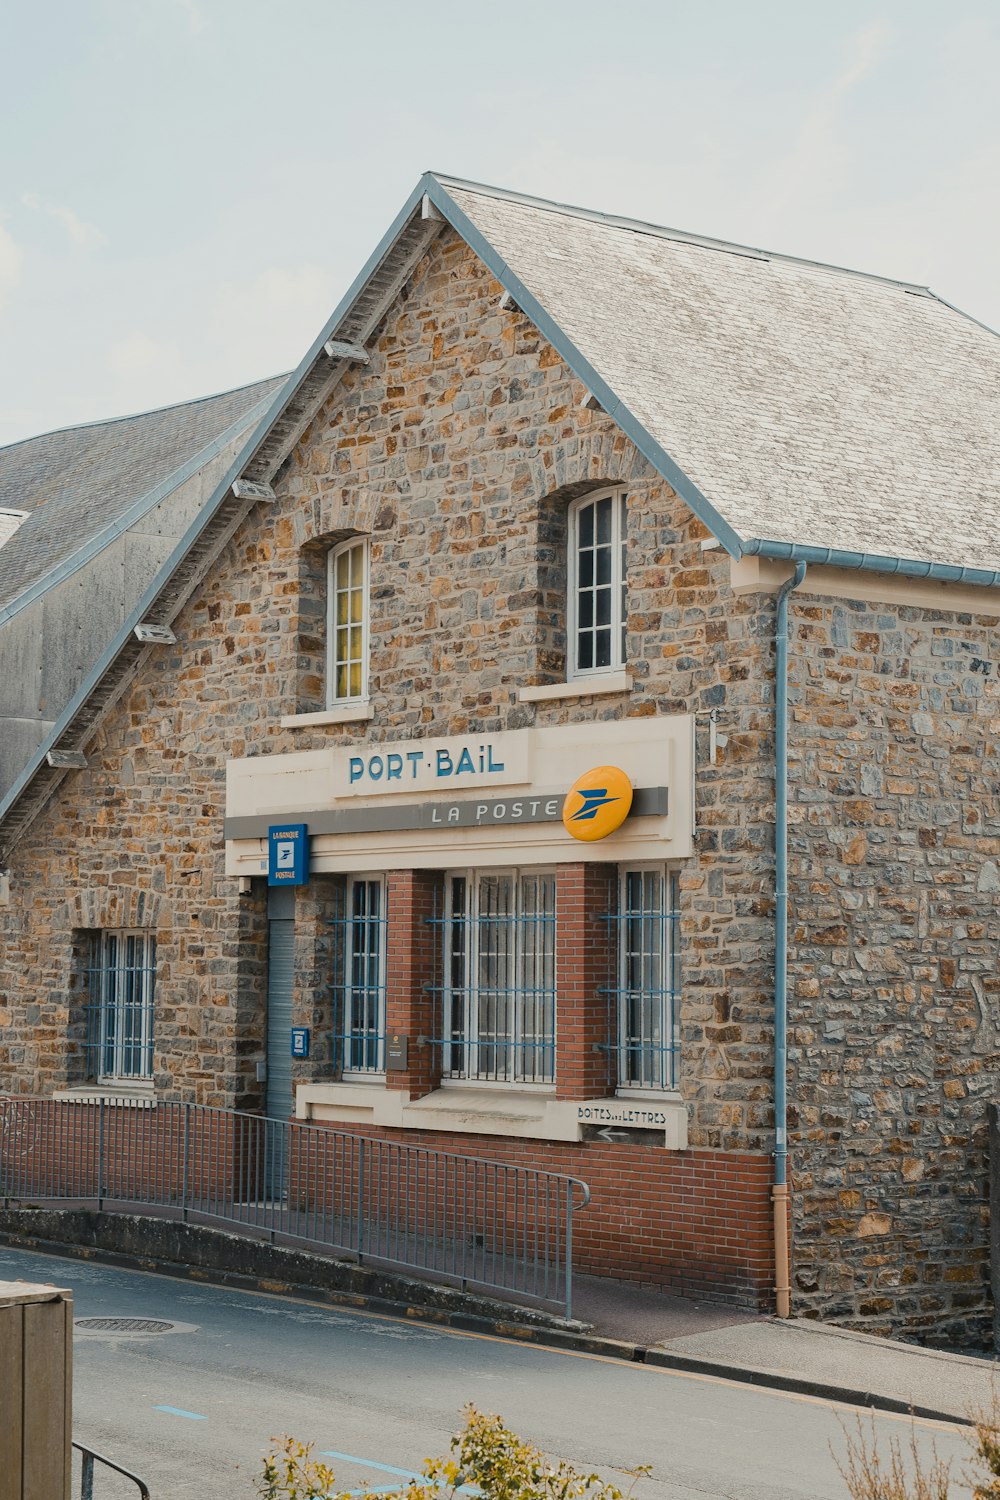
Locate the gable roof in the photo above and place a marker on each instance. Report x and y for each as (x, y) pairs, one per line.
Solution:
(83, 484)
(791, 403)
(801, 410)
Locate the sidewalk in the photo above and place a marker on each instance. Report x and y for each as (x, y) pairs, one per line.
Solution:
(797, 1354)
(611, 1318)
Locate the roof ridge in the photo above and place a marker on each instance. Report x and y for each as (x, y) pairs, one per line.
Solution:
(151, 412)
(683, 236)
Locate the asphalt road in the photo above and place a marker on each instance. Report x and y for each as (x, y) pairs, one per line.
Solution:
(193, 1410)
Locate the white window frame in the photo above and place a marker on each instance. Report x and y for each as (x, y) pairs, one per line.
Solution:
(662, 1073)
(109, 986)
(619, 582)
(469, 1041)
(380, 955)
(333, 699)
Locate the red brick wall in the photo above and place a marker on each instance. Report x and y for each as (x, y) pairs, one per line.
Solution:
(584, 940)
(410, 1006)
(697, 1222)
(51, 1150)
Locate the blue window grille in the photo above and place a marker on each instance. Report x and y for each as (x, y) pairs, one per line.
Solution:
(644, 1021)
(497, 1001)
(119, 978)
(359, 977)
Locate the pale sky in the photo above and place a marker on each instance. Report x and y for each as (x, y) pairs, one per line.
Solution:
(187, 187)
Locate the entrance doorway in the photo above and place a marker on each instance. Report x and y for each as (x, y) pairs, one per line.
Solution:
(280, 1101)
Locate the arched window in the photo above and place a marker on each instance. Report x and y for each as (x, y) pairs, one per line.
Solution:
(597, 592)
(347, 623)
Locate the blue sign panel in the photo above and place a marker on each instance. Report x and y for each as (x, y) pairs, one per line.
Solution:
(288, 854)
(300, 1041)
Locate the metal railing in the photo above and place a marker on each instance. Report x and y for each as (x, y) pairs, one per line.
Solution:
(88, 1457)
(457, 1219)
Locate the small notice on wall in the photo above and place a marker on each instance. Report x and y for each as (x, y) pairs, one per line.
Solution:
(395, 1053)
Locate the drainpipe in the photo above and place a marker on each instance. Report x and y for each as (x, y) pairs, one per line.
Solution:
(779, 1193)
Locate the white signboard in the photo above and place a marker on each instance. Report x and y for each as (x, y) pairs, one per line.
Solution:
(436, 766)
(467, 800)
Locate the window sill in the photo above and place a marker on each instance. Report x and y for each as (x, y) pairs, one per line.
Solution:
(582, 687)
(471, 1111)
(142, 1095)
(670, 1096)
(349, 713)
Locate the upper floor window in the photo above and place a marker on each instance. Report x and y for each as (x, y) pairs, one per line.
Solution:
(347, 623)
(597, 598)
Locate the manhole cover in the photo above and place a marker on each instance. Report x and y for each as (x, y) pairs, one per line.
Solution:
(126, 1325)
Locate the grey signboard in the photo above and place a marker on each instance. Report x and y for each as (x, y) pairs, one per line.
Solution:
(472, 812)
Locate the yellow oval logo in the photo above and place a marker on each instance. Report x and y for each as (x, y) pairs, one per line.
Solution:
(597, 803)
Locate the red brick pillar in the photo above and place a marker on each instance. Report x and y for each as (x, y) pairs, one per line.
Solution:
(585, 947)
(410, 1007)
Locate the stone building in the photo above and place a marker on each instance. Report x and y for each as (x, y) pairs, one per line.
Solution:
(519, 541)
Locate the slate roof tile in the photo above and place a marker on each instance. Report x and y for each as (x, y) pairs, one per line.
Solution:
(807, 403)
(77, 481)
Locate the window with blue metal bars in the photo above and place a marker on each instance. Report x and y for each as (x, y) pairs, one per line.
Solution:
(359, 976)
(497, 1001)
(119, 977)
(644, 1021)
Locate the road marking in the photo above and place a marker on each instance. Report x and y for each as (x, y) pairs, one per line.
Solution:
(178, 1411)
(371, 1463)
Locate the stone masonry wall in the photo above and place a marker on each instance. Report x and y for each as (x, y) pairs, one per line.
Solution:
(894, 879)
(457, 450)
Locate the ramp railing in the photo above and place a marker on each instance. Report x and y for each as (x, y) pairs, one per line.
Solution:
(478, 1224)
(88, 1458)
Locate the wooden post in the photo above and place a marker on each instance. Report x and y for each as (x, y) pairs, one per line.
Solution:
(36, 1379)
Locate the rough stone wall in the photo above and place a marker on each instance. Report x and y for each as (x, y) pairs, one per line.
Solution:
(457, 450)
(136, 843)
(894, 881)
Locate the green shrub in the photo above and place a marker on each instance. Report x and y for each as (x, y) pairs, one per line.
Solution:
(485, 1456)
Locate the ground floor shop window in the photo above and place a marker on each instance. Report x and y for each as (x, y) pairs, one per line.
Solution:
(359, 983)
(644, 1014)
(498, 999)
(119, 980)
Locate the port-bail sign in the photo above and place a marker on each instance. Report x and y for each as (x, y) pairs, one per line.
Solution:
(435, 766)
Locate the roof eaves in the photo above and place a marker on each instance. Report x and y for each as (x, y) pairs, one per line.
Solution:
(141, 507)
(353, 320)
(871, 562)
(584, 370)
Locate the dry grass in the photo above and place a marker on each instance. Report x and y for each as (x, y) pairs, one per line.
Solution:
(899, 1472)
(896, 1473)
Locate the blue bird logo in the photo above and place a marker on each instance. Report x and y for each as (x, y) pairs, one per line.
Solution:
(593, 800)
